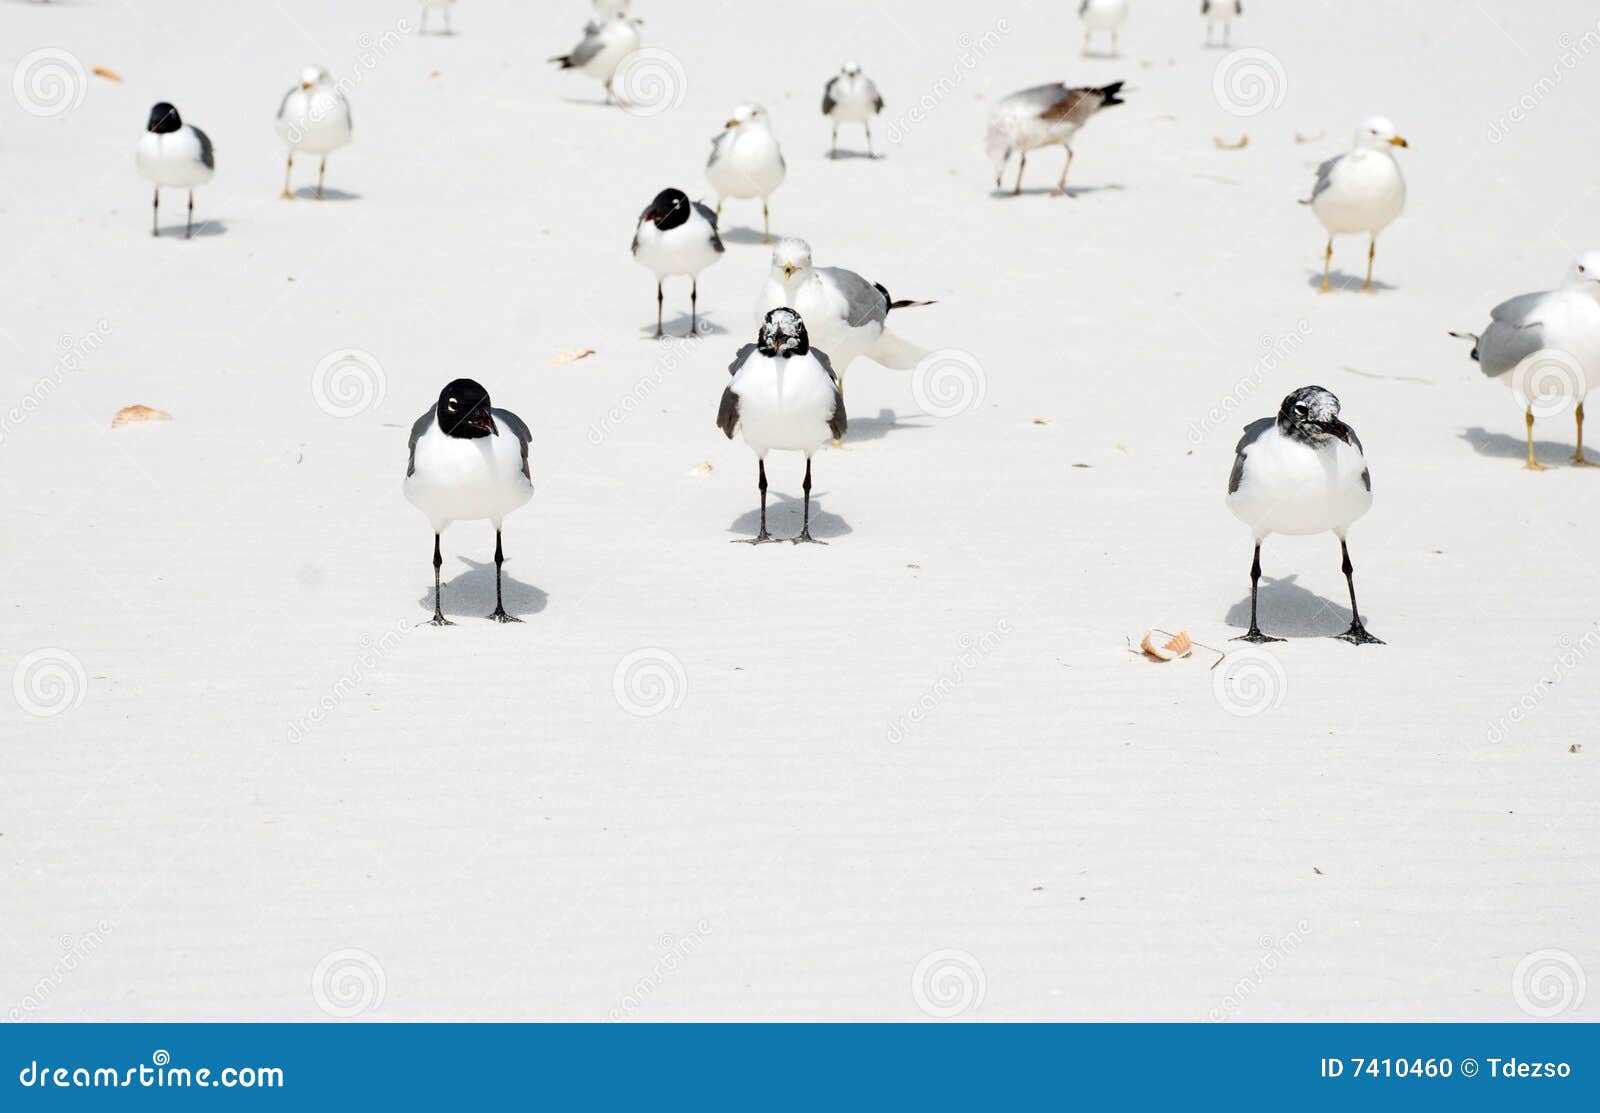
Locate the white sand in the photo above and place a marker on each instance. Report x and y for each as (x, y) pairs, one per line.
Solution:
(481, 816)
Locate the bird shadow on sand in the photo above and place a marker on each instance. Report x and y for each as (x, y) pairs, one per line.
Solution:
(201, 230)
(747, 236)
(677, 328)
(1343, 283)
(309, 193)
(1072, 191)
(784, 515)
(470, 594)
(591, 102)
(1287, 610)
(863, 428)
(1101, 55)
(845, 156)
(1485, 443)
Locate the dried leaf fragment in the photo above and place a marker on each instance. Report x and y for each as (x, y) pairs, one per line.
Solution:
(573, 356)
(701, 470)
(1224, 145)
(107, 73)
(130, 414)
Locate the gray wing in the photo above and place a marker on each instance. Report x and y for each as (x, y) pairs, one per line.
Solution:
(284, 103)
(520, 429)
(865, 302)
(738, 360)
(418, 427)
(208, 154)
(1205, 7)
(719, 143)
(710, 216)
(728, 412)
(584, 52)
(838, 422)
(828, 99)
(1514, 334)
(1083, 9)
(1324, 175)
(1252, 433)
(877, 97)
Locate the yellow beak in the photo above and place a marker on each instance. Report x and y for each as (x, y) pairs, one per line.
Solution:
(731, 124)
(1398, 142)
(788, 271)
(306, 85)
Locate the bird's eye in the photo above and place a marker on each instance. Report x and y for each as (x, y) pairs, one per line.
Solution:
(1299, 411)
(1580, 268)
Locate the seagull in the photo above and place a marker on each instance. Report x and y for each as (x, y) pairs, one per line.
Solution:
(1043, 116)
(1547, 344)
(602, 49)
(430, 5)
(844, 312)
(785, 396)
(1302, 472)
(314, 117)
(850, 98)
(677, 236)
(746, 162)
(1223, 12)
(1102, 15)
(462, 469)
(175, 155)
(1361, 191)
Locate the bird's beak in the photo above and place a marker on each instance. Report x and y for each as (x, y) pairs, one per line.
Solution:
(305, 85)
(1336, 428)
(1397, 141)
(788, 271)
(483, 421)
(730, 124)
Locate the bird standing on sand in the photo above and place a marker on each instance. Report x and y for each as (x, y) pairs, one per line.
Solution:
(1043, 116)
(1362, 191)
(430, 5)
(601, 51)
(1546, 345)
(784, 396)
(174, 155)
(851, 98)
(1303, 472)
(844, 313)
(468, 462)
(676, 236)
(313, 117)
(1223, 13)
(746, 161)
(1102, 15)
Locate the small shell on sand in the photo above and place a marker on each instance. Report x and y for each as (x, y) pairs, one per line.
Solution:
(129, 414)
(700, 470)
(573, 356)
(107, 73)
(1171, 649)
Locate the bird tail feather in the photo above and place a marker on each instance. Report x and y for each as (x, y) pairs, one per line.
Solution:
(1472, 336)
(896, 353)
(908, 303)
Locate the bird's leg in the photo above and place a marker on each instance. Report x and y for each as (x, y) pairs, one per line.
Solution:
(761, 482)
(1372, 250)
(188, 224)
(422, 28)
(660, 300)
(805, 522)
(694, 306)
(1086, 44)
(438, 562)
(321, 170)
(1254, 634)
(1113, 44)
(610, 99)
(155, 214)
(1021, 166)
(1061, 186)
(288, 174)
(870, 152)
(833, 152)
(499, 613)
(1578, 457)
(766, 223)
(1357, 634)
(447, 29)
(719, 208)
(1327, 263)
(1533, 462)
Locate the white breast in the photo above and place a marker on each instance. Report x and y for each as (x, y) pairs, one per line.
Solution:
(461, 480)
(1365, 193)
(751, 165)
(315, 121)
(1292, 487)
(686, 249)
(173, 159)
(784, 404)
(853, 101)
(1222, 10)
(826, 315)
(618, 39)
(1105, 15)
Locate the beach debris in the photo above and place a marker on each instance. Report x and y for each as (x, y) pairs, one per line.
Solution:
(1309, 136)
(107, 73)
(1575, 748)
(1174, 646)
(573, 356)
(130, 414)
(701, 470)
(1224, 145)
(1044, 421)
